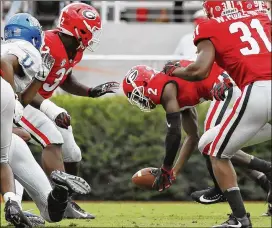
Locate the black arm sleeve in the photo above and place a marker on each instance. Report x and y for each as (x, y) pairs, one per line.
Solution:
(173, 137)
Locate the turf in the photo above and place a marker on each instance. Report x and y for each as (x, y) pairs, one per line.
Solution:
(144, 214)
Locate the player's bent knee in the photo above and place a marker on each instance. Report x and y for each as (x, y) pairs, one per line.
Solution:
(72, 154)
(204, 146)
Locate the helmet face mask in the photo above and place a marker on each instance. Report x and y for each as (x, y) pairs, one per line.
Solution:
(134, 86)
(137, 98)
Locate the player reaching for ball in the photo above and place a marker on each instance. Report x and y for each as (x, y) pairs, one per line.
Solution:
(147, 88)
(238, 38)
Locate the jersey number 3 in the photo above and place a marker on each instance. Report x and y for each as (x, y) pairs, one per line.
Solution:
(247, 36)
(61, 73)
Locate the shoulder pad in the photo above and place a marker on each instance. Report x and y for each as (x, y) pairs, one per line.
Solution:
(28, 56)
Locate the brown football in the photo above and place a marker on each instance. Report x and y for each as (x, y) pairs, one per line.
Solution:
(144, 178)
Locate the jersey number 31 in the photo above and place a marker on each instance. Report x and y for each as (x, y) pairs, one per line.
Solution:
(247, 36)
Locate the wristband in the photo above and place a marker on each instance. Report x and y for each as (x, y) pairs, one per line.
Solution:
(50, 109)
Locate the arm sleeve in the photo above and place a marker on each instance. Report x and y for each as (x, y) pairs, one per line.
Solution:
(173, 137)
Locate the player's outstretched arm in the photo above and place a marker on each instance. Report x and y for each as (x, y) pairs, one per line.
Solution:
(200, 69)
(172, 140)
(71, 85)
(190, 125)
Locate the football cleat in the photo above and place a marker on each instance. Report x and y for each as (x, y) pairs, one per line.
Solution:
(73, 183)
(35, 220)
(234, 222)
(208, 196)
(73, 211)
(269, 211)
(15, 216)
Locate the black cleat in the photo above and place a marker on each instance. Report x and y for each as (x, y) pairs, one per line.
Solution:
(15, 216)
(73, 183)
(234, 222)
(208, 196)
(35, 220)
(74, 211)
(269, 211)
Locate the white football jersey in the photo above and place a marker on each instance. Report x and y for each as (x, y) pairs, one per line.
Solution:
(28, 57)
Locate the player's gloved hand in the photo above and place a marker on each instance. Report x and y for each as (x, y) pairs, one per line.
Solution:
(47, 63)
(218, 91)
(163, 179)
(63, 120)
(18, 110)
(170, 66)
(109, 87)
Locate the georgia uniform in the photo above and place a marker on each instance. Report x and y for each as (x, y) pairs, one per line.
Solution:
(243, 48)
(42, 128)
(191, 94)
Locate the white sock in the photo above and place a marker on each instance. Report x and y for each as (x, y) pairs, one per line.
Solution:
(9, 195)
(19, 193)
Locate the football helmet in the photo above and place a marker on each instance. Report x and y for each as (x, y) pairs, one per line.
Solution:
(83, 22)
(134, 87)
(222, 8)
(199, 16)
(23, 26)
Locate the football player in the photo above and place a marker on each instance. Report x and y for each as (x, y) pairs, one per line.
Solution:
(20, 53)
(238, 38)
(79, 29)
(147, 88)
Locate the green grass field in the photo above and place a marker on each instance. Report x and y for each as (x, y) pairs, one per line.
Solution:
(141, 214)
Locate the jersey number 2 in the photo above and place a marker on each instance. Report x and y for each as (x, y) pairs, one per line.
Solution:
(247, 36)
(61, 73)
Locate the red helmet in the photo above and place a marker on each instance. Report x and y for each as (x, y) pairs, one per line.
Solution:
(222, 8)
(134, 86)
(83, 22)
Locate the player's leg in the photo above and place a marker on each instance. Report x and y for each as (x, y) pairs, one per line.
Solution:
(43, 130)
(72, 157)
(250, 113)
(215, 114)
(7, 110)
(260, 179)
(34, 219)
(51, 202)
(70, 151)
(13, 213)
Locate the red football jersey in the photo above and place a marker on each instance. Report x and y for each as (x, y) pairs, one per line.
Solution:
(189, 93)
(62, 66)
(243, 45)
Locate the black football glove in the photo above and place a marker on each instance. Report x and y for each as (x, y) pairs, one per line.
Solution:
(170, 66)
(63, 120)
(109, 87)
(163, 179)
(218, 91)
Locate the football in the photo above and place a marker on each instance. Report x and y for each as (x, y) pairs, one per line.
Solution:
(144, 178)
